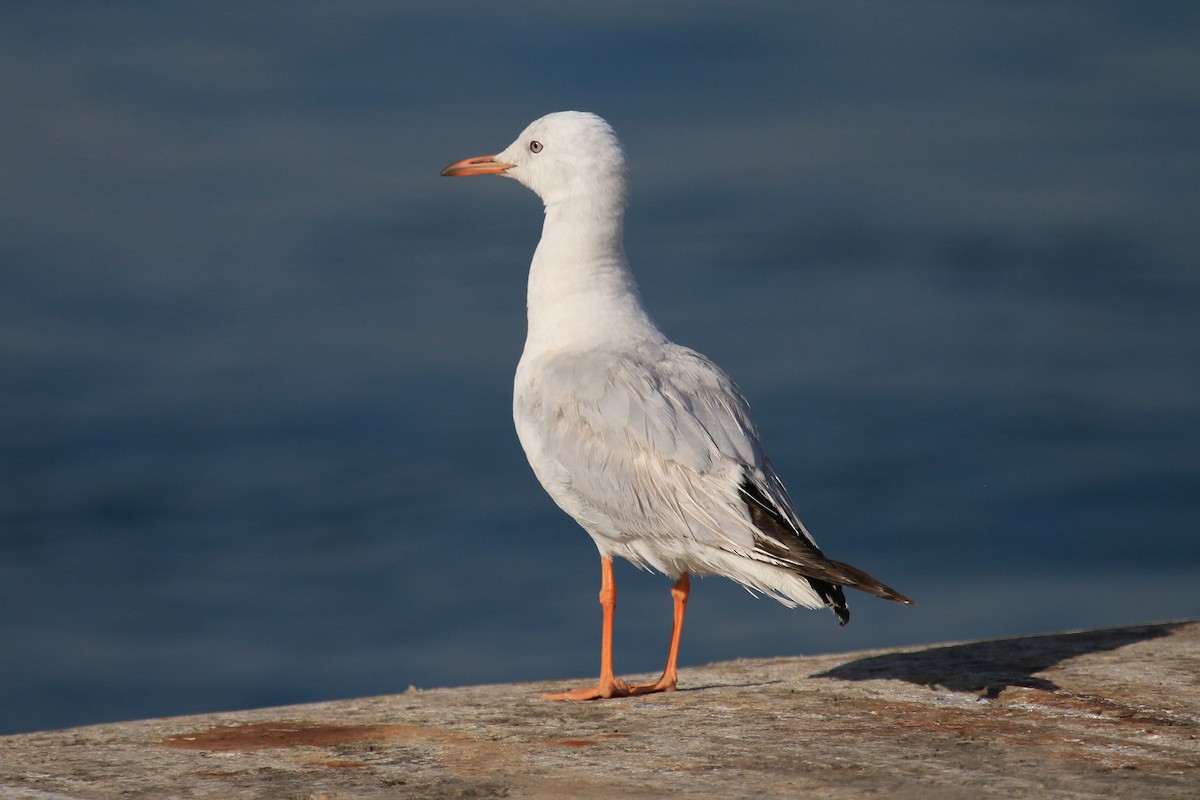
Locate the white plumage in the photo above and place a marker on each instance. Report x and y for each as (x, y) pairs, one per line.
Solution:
(648, 445)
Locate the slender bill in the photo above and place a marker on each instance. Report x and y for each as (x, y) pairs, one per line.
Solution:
(480, 165)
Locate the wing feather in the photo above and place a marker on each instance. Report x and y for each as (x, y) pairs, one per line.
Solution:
(654, 452)
(663, 427)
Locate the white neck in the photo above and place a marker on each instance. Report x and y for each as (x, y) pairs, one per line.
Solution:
(581, 292)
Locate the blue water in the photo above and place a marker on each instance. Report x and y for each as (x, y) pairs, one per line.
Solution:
(255, 355)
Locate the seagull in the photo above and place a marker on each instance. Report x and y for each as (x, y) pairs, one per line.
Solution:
(647, 444)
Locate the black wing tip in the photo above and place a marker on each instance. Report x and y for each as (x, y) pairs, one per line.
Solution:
(856, 578)
(834, 597)
(888, 593)
(825, 575)
(843, 611)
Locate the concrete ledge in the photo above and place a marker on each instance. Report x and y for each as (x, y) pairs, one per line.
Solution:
(1111, 713)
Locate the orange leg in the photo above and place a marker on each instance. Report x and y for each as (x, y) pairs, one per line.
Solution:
(608, 685)
(670, 675)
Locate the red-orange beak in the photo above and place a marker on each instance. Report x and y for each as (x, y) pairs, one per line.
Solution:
(481, 165)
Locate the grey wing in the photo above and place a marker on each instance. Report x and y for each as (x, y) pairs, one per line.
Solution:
(655, 446)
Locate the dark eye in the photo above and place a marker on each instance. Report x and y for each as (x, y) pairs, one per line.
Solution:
(535, 146)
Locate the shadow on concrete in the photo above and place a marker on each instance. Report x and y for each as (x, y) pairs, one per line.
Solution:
(988, 668)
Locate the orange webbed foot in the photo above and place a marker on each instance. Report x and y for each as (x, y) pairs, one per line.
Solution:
(601, 691)
(663, 684)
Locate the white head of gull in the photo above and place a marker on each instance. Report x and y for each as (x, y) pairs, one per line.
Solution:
(648, 445)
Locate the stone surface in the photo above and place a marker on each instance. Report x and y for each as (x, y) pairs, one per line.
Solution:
(1113, 713)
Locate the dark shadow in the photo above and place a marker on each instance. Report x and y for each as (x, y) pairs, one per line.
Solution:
(991, 667)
